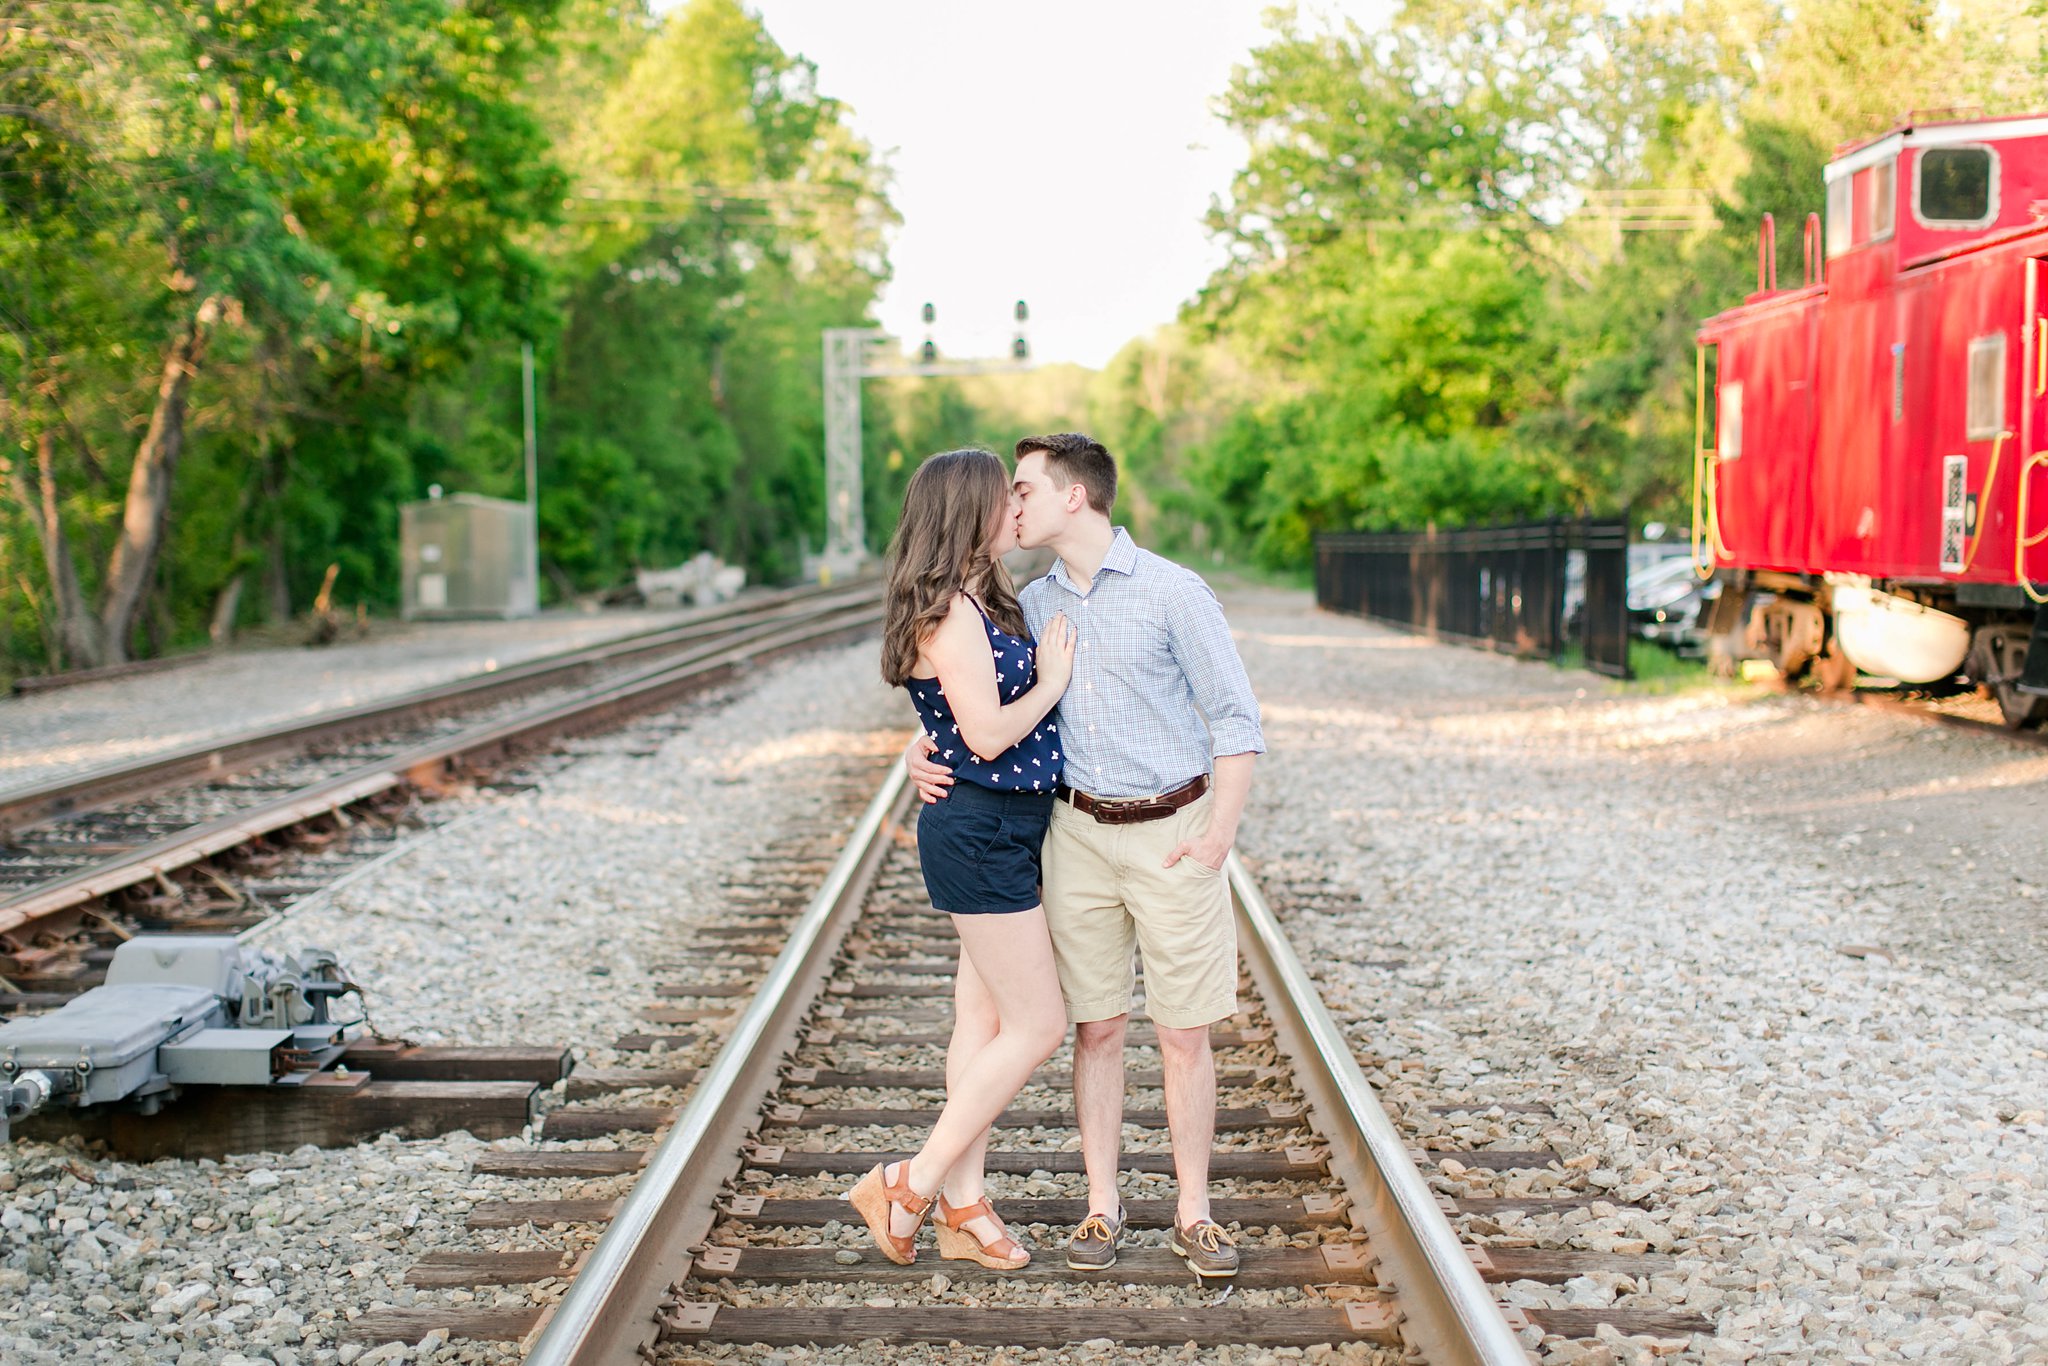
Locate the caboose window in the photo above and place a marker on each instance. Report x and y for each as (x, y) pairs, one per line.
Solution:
(1841, 230)
(1728, 423)
(1884, 199)
(1956, 187)
(1986, 415)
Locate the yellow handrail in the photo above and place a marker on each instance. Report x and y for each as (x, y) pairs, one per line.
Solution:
(1700, 566)
(1984, 500)
(2021, 540)
(1706, 523)
(1721, 549)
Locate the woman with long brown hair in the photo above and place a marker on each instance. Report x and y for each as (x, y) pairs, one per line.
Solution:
(984, 692)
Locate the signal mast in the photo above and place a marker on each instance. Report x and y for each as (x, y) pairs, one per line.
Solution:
(853, 354)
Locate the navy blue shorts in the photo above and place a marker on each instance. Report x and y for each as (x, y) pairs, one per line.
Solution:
(979, 849)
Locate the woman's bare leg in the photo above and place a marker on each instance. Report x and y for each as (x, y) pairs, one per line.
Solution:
(974, 1027)
(1013, 959)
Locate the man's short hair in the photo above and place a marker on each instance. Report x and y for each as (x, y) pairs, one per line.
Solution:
(1073, 458)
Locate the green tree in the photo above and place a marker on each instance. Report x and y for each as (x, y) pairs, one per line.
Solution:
(1442, 318)
(725, 216)
(281, 215)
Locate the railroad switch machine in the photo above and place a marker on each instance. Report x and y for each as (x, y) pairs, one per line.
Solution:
(178, 1011)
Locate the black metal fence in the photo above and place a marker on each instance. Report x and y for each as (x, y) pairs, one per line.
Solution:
(1529, 588)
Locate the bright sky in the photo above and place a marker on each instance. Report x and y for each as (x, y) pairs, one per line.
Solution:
(1061, 152)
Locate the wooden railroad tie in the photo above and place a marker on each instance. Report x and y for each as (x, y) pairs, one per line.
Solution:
(1284, 1212)
(934, 1079)
(457, 1268)
(546, 1163)
(1140, 1036)
(1295, 1325)
(576, 1121)
(410, 1325)
(1287, 1164)
(1264, 1268)
(417, 1093)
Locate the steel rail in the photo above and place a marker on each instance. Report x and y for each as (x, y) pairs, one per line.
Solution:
(648, 687)
(610, 1310)
(1916, 708)
(25, 808)
(1448, 1314)
(1905, 706)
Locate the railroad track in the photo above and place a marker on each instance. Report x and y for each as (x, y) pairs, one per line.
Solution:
(1957, 709)
(735, 1228)
(218, 837)
(1961, 712)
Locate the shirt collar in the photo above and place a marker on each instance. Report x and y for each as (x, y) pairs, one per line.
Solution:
(1122, 558)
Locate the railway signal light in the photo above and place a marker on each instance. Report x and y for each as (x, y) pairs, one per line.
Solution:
(1020, 349)
(929, 352)
(1023, 312)
(931, 315)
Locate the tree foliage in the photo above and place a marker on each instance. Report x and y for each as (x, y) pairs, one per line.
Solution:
(1439, 316)
(266, 268)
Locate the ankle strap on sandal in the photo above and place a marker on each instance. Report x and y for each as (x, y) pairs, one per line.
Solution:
(900, 1192)
(953, 1216)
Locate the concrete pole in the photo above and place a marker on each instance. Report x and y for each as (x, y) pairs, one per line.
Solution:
(532, 471)
(845, 522)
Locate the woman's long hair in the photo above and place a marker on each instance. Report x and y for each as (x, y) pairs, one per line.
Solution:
(941, 547)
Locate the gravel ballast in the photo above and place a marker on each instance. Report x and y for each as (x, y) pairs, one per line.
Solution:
(537, 919)
(1515, 884)
(1518, 883)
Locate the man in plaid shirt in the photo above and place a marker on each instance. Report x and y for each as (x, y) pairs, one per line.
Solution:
(1161, 732)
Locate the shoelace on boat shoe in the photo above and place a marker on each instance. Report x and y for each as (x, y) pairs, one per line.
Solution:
(1096, 1222)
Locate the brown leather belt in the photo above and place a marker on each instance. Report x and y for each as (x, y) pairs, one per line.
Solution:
(1132, 810)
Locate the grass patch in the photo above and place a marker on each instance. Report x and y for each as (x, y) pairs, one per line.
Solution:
(1654, 668)
(1659, 670)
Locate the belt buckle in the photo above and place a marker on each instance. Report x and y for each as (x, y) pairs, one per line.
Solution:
(1129, 812)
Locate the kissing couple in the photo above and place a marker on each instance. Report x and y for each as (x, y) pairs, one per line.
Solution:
(1093, 735)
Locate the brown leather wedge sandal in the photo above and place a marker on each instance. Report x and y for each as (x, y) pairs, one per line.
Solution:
(874, 1194)
(1003, 1253)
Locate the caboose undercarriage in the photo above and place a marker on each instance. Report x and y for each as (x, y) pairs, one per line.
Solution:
(1830, 629)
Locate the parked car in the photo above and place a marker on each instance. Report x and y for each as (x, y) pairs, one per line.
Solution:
(1644, 557)
(1664, 605)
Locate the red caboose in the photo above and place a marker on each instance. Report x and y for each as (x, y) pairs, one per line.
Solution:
(1876, 482)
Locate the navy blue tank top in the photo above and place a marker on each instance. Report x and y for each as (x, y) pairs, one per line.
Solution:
(1030, 765)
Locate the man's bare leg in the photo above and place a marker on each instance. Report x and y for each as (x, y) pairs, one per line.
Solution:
(1099, 1106)
(1190, 1069)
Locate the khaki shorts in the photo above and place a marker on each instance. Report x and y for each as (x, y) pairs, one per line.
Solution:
(1106, 894)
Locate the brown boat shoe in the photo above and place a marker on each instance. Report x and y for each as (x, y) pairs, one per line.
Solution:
(1093, 1246)
(1206, 1248)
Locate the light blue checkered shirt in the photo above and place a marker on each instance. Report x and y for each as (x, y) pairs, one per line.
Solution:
(1158, 687)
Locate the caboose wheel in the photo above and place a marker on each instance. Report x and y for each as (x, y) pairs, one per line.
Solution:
(2019, 709)
(1997, 659)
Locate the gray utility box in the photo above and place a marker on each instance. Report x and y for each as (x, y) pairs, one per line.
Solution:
(467, 556)
(227, 1057)
(110, 1036)
(211, 961)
